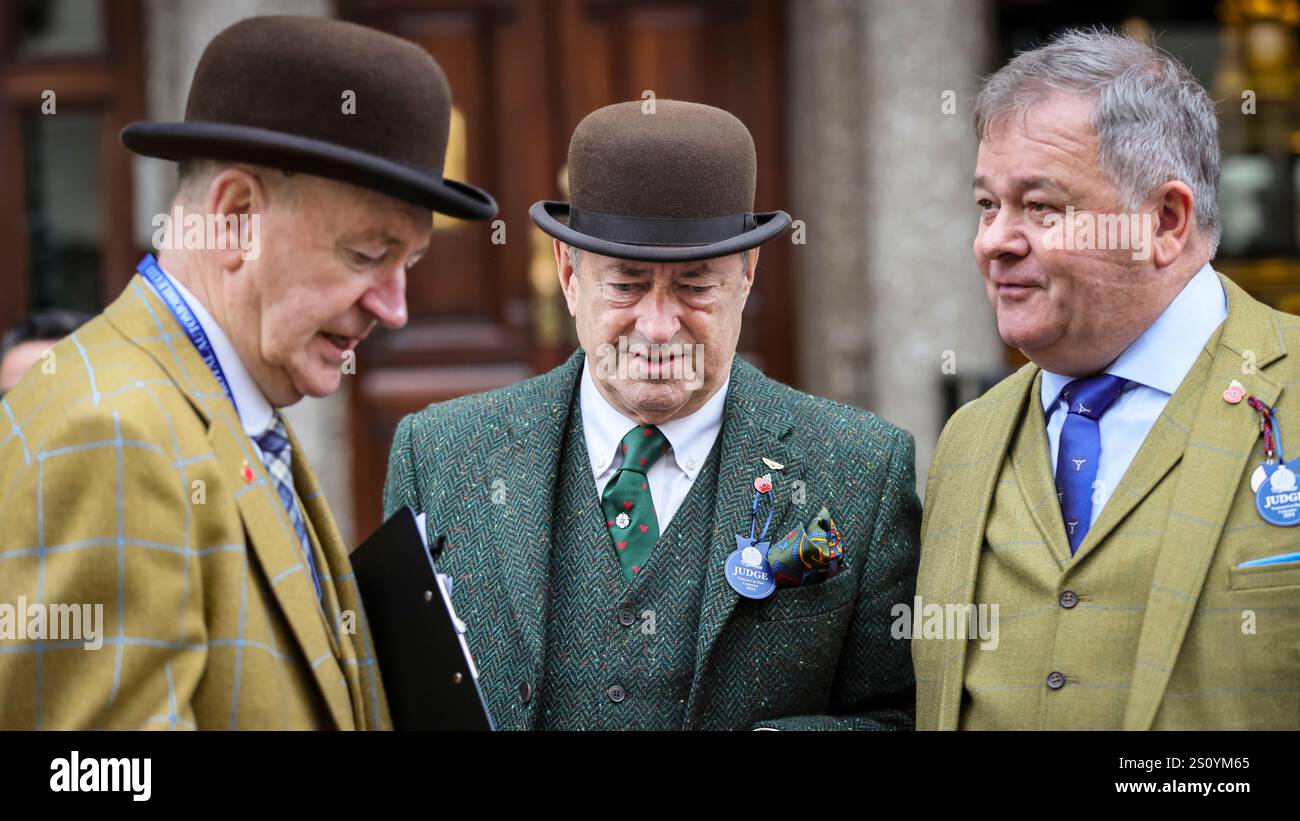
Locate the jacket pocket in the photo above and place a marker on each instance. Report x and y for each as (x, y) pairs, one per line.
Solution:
(1264, 576)
(812, 600)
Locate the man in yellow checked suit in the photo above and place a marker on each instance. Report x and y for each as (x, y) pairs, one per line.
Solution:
(1114, 499)
(150, 484)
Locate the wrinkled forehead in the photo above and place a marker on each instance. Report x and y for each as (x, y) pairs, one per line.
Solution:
(613, 266)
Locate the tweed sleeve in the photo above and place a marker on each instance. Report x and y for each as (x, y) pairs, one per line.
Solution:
(875, 688)
(400, 486)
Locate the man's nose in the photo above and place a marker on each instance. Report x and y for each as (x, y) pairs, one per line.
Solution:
(658, 318)
(386, 301)
(1003, 235)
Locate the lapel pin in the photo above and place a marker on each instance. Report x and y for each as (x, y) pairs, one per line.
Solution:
(247, 473)
(1234, 393)
(773, 464)
(763, 483)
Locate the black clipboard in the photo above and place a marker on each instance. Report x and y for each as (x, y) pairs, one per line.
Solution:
(429, 675)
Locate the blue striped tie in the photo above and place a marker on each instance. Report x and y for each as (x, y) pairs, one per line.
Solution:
(277, 455)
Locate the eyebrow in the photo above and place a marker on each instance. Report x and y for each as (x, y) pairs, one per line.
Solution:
(631, 269)
(388, 240)
(1025, 184)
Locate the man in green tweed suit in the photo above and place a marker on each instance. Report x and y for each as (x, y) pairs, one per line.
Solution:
(1104, 497)
(593, 514)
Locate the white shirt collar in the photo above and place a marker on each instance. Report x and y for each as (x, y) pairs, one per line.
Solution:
(1163, 355)
(255, 412)
(690, 438)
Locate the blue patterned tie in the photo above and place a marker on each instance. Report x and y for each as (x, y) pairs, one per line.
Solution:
(1079, 450)
(277, 455)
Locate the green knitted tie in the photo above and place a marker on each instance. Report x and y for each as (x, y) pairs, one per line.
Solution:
(629, 510)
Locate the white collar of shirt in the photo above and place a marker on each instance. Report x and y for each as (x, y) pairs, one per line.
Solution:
(255, 412)
(1162, 356)
(690, 438)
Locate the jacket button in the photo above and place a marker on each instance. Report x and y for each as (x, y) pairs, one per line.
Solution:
(525, 692)
(1055, 680)
(627, 618)
(1069, 599)
(616, 694)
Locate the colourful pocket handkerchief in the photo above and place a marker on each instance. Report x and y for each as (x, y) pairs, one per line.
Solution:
(807, 555)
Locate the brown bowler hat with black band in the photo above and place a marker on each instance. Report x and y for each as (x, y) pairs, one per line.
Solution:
(669, 186)
(273, 91)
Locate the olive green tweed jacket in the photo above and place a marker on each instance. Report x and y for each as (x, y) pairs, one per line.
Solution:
(1169, 631)
(818, 657)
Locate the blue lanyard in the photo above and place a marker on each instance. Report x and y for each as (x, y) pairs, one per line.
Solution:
(185, 317)
(753, 518)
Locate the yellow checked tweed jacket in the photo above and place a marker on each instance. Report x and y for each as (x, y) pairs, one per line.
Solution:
(1168, 633)
(123, 486)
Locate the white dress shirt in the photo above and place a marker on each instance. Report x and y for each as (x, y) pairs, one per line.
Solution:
(690, 439)
(255, 412)
(1155, 365)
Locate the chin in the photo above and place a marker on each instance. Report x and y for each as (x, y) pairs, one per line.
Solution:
(655, 397)
(1021, 333)
(317, 385)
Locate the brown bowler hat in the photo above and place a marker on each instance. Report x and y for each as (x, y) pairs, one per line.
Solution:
(669, 186)
(272, 91)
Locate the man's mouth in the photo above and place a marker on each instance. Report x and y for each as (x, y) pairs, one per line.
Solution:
(343, 343)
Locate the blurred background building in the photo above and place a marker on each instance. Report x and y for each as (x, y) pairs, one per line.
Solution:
(860, 110)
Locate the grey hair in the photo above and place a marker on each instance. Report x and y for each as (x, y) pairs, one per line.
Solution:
(194, 175)
(575, 256)
(1155, 122)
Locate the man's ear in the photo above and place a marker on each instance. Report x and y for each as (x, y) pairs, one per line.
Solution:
(1175, 220)
(749, 272)
(235, 192)
(568, 276)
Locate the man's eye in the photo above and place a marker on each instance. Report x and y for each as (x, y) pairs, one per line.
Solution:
(623, 287)
(1039, 207)
(984, 204)
(699, 290)
(364, 259)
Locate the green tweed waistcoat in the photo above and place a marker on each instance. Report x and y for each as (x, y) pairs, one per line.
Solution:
(1167, 630)
(650, 659)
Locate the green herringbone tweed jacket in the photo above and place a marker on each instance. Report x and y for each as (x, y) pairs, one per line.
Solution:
(813, 657)
(1193, 641)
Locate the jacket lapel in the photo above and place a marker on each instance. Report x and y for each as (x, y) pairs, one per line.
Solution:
(1220, 440)
(141, 316)
(1031, 464)
(967, 506)
(354, 649)
(752, 428)
(521, 532)
(1162, 449)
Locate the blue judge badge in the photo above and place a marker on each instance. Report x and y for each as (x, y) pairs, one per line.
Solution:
(748, 572)
(1278, 497)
